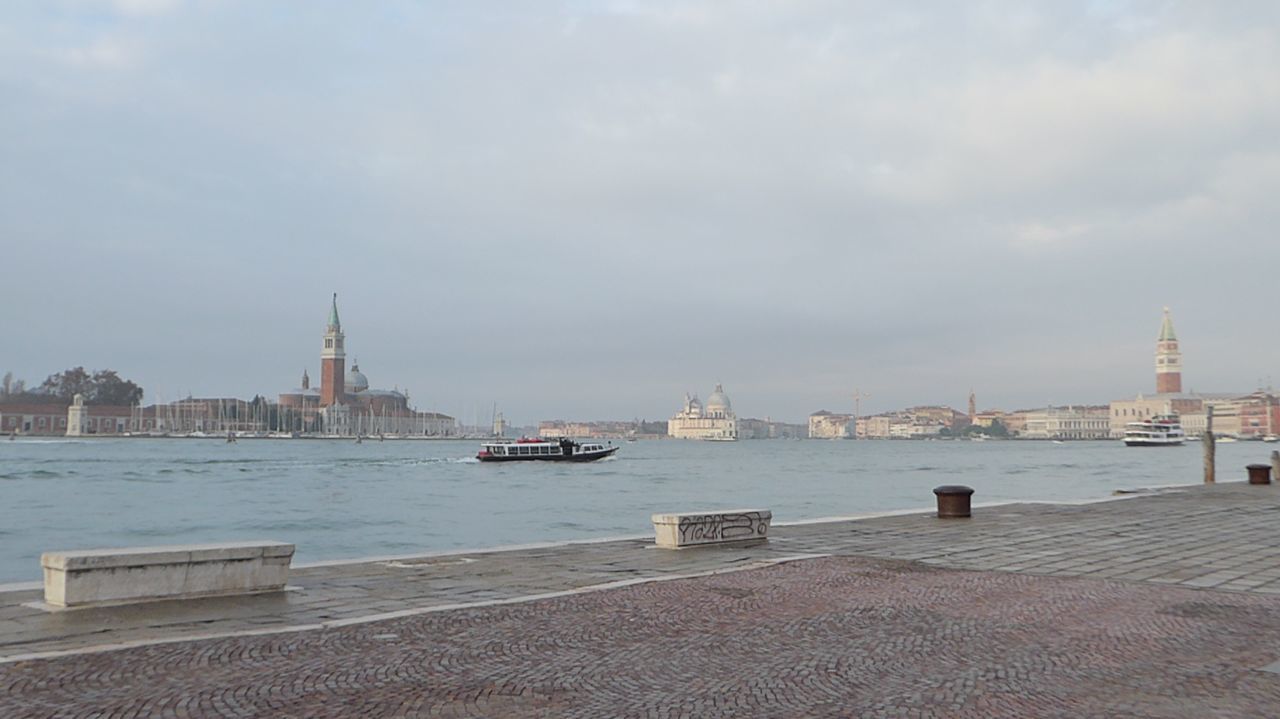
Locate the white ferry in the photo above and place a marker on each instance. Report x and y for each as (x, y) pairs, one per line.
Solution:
(1162, 430)
(546, 450)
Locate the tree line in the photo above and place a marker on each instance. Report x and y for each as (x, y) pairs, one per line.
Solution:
(104, 387)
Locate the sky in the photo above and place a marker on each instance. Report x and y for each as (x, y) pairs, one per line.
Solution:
(586, 209)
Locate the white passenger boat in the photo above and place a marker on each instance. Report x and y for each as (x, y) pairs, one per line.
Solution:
(545, 450)
(1164, 430)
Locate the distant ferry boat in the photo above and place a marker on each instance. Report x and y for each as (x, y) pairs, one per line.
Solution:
(545, 450)
(1159, 431)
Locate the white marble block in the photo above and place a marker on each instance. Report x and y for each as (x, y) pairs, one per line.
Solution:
(693, 528)
(138, 574)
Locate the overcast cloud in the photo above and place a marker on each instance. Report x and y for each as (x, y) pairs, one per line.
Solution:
(584, 209)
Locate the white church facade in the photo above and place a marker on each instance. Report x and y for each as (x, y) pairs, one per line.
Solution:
(714, 422)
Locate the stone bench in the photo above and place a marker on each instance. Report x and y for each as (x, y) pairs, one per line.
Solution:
(674, 531)
(120, 576)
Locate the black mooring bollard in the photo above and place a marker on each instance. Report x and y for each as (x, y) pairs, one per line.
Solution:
(1259, 473)
(953, 500)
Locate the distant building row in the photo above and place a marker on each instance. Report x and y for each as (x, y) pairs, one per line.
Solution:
(343, 405)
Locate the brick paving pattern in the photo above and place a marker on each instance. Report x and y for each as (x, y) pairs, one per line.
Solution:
(1222, 536)
(831, 637)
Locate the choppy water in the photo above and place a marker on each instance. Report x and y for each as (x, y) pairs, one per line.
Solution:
(346, 500)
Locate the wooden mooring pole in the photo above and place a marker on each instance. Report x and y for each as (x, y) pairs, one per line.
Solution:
(1208, 447)
(1275, 466)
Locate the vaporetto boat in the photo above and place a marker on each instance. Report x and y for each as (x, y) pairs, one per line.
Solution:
(545, 450)
(1163, 430)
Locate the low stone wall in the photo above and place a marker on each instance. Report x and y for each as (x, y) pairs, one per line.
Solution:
(694, 528)
(138, 574)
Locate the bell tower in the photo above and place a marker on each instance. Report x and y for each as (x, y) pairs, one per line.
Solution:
(333, 360)
(1168, 359)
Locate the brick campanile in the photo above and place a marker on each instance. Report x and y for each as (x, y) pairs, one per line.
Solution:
(1168, 358)
(333, 361)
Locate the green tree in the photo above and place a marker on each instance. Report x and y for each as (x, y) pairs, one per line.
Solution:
(67, 384)
(997, 429)
(101, 387)
(109, 388)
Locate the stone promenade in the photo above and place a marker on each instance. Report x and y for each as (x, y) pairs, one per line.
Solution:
(1160, 605)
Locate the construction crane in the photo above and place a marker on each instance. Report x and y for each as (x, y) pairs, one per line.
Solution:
(858, 396)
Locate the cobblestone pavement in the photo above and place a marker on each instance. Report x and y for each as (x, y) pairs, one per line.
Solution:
(839, 636)
(1224, 536)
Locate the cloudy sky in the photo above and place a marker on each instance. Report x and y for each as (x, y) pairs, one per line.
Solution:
(584, 209)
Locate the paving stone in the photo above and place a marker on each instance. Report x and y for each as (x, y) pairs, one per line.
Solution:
(833, 637)
(1220, 536)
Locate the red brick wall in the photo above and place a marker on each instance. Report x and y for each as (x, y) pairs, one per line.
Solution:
(332, 376)
(1168, 382)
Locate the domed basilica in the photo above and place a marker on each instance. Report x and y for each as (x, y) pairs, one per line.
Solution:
(714, 421)
(345, 405)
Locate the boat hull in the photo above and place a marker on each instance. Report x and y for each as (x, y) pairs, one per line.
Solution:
(1152, 442)
(575, 457)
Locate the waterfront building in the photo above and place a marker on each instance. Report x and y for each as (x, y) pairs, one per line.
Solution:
(601, 429)
(1259, 415)
(1015, 423)
(828, 425)
(548, 429)
(1235, 414)
(1091, 422)
(752, 428)
(912, 427)
(346, 405)
(715, 421)
(936, 414)
(1187, 406)
(33, 418)
(988, 418)
(874, 427)
(52, 419)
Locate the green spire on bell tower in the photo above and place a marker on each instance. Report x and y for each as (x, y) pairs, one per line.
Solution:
(1166, 328)
(334, 324)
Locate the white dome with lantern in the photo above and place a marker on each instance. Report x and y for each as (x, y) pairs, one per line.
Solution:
(714, 420)
(719, 402)
(356, 381)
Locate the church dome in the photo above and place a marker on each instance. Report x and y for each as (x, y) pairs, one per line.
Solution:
(356, 381)
(719, 401)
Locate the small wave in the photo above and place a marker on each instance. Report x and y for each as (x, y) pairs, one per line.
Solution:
(167, 531)
(304, 524)
(464, 460)
(145, 480)
(43, 474)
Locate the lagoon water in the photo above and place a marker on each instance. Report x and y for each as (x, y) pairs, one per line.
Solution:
(340, 499)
